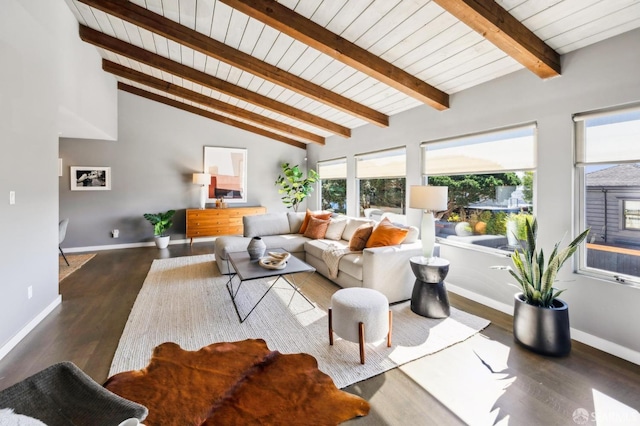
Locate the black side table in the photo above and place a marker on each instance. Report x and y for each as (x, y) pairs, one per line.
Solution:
(429, 297)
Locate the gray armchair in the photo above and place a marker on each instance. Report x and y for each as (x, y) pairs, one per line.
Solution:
(63, 395)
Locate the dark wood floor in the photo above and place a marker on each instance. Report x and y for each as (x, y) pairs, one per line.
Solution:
(484, 380)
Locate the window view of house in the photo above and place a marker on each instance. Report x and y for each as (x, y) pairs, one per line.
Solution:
(333, 185)
(490, 179)
(382, 184)
(608, 167)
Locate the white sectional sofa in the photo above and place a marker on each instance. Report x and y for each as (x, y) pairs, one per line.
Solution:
(385, 269)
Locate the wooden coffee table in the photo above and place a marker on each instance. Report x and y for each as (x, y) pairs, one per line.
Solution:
(249, 270)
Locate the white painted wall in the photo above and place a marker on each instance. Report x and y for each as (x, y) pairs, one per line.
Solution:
(89, 114)
(152, 162)
(604, 314)
(36, 45)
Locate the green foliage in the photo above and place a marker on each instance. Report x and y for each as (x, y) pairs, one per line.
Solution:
(383, 193)
(468, 189)
(334, 195)
(160, 221)
(534, 278)
(497, 224)
(521, 219)
(294, 185)
(527, 182)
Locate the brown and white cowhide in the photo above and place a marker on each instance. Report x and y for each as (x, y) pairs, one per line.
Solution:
(237, 383)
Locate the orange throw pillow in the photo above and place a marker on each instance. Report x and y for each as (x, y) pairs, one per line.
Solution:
(359, 238)
(316, 228)
(386, 234)
(310, 214)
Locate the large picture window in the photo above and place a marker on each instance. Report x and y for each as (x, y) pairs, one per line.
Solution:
(491, 179)
(333, 184)
(608, 177)
(381, 178)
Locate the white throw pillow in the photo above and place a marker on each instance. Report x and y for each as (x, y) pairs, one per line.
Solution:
(336, 228)
(352, 225)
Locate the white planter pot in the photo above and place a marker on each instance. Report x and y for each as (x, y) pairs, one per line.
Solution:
(162, 242)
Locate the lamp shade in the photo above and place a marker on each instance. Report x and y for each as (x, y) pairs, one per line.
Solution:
(430, 198)
(201, 178)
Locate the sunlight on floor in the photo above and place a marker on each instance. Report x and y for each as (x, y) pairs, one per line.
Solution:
(609, 411)
(468, 391)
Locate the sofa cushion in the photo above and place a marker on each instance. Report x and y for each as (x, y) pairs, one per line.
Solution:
(309, 215)
(358, 240)
(225, 245)
(350, 264)
(293, 243)
(295, 221)
(336, 228)
(266, 224)
(316, 228)
(386, 234)
(412, 235)
(352, 225)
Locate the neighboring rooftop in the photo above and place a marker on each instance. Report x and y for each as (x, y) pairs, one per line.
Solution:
(622, 175)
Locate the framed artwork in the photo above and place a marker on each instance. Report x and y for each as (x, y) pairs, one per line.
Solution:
(228, 170)
(90, 178)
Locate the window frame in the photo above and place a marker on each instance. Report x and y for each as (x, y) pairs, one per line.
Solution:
(340, 160)
(477, 135)
(356, 157)
(580, 218)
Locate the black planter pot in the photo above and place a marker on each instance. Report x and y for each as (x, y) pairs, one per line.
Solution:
(542, 330)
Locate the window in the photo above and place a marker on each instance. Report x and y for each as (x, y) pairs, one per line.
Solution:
(333, 184)
(490, 177)
(381, 182)
(608, 179)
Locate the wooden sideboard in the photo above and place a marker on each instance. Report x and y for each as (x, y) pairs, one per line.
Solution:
(214, 222)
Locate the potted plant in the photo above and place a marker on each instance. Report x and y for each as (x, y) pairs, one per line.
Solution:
(294, 185)
(161, 222)
(540, 319)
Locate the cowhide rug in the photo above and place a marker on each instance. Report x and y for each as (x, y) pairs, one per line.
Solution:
(236, 383)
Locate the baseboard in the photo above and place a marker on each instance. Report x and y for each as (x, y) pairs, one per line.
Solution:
(132, 245)
(580, 336)
(13, 342)
(484, 300)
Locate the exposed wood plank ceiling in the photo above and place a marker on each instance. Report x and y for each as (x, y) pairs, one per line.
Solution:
(298, 71)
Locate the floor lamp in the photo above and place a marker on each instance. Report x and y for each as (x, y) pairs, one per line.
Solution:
(204, 180)
(430, 199)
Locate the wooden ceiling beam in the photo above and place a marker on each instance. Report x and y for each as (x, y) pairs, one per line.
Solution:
(207, 114)
(308, 32)
(495, 24)
(173, 89)
(172, 30)
(151, 59)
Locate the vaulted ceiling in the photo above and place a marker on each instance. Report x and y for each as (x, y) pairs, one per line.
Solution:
(298, 71)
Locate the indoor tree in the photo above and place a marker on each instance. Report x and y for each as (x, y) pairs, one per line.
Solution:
(294, 185)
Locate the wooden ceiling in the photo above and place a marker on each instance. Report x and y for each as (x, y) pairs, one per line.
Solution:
(298, 71)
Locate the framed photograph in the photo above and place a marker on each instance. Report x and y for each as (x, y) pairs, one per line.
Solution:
(90, 178)
(228, 170)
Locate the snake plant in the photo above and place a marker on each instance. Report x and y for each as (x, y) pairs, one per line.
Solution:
(534, 278)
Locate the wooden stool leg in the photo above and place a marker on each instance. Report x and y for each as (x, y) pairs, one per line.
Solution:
(330, 327)
(390, 326)
(361, 338)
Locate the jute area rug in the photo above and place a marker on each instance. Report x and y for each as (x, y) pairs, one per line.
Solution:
(184, 300)
(75, 262)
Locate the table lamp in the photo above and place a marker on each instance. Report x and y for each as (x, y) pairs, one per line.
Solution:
(203, 179)
(430, 199)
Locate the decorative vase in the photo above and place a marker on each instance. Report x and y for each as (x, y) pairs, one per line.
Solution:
(162, 241)
(256, 248)
(542, 330)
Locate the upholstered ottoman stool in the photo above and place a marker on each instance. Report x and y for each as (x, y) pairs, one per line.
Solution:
(355, 309)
